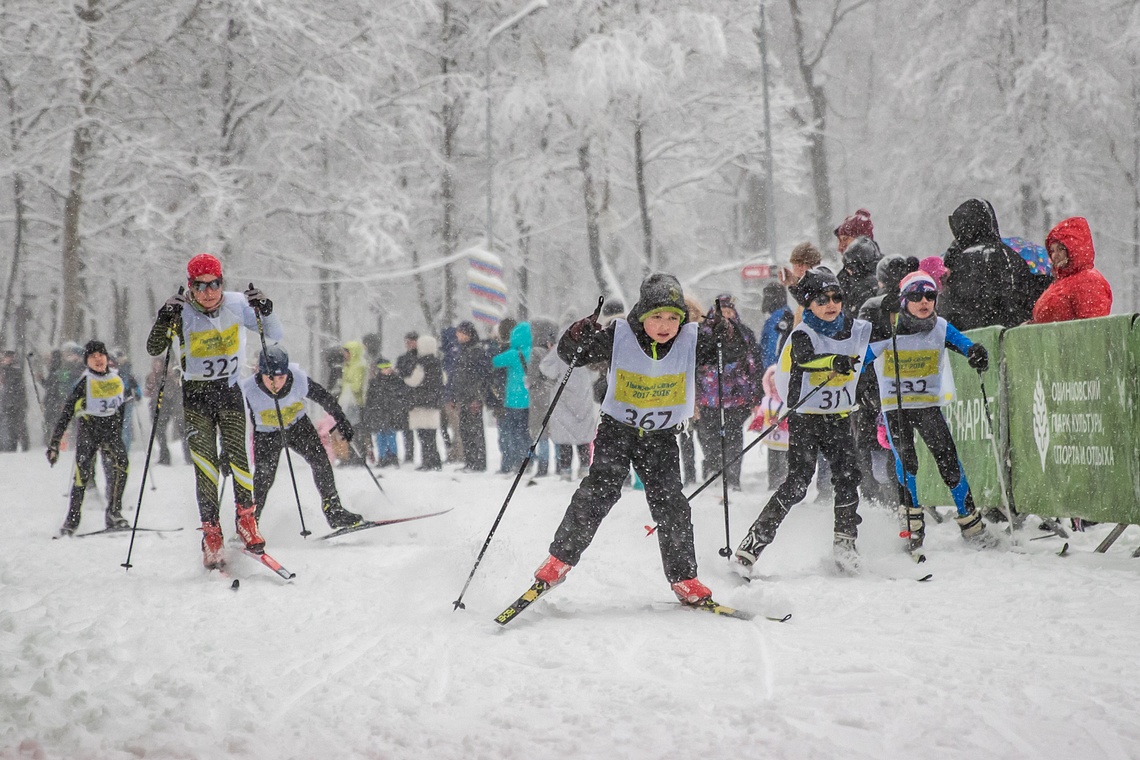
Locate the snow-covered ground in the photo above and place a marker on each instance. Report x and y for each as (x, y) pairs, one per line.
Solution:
(1003, 654)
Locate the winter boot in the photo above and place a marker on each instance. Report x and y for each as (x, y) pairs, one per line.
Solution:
(213, 555)
(974, 530)
(692, 592)
(115, 520)
(552, 572)
(246, 522)
(337, 516)
(915, 528)
(845, 554)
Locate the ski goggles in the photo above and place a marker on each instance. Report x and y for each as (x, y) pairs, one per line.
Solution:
(915, 296)
(200, 286)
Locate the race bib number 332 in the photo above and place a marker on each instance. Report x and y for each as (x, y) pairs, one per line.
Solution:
(646, 392)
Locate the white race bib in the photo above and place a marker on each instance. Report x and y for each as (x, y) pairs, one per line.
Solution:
(649, 393)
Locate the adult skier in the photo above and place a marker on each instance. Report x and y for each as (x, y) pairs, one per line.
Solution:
(207, 322)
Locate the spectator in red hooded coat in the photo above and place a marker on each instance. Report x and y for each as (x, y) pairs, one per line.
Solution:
(1079, 290)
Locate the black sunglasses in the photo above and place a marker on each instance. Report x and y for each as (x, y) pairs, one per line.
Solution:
(200, 286)
(922, 295)
(827, 297)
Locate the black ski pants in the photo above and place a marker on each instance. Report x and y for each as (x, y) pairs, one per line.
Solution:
(655, 459)
(931, 425)
(301, 437)
(210, 407)
(97, 434)
(809, 436)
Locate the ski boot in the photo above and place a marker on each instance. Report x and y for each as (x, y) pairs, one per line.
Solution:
(115, 521)
(915, 532)
(213, 554)
(337, 516)
(70, 523)
(974, 530)
(749, 550)
(246, 523)
(692, 593)
(845, 554)
(552, 571)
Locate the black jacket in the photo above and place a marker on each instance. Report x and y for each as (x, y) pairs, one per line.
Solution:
(857, 277)
(987, 282)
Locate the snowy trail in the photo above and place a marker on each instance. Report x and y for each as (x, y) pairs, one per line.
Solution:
(1000, 655)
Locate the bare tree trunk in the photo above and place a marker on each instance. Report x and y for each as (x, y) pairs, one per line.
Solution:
(421, 289)
(71, 323)
(590, 200)
(817, 127)
(642, 200)
(121, 319)
(17, 215)
(449, 121)
(524, 265)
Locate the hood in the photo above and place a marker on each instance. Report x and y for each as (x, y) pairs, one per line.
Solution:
(974, 222)
(521, 338)
(861, 256)
(427, 345)
(355, 352)
(1074, 234)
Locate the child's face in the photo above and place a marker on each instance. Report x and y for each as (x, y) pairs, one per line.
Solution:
(663, 326)
(924, 308)
(274, 382)
(827, 306)
(97, 363)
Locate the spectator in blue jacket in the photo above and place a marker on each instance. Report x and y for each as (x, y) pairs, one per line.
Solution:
(516, 403)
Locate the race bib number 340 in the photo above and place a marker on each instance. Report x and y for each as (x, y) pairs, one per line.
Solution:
(647, 392)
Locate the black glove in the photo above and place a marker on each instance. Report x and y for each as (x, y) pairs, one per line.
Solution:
(978, 357)
(172, 308)
(583, 329)
(53, 454)
(344, 427)
(891, 304)
(843, 364)
(258, 301)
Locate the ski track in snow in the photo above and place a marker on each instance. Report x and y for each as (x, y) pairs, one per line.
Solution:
(1003, 654)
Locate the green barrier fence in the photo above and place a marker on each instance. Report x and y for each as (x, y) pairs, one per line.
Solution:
(966, 417)
(1071, 391)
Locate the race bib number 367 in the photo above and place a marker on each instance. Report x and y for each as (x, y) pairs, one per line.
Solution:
(645, 392)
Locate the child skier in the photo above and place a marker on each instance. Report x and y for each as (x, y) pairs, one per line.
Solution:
(822, 350)
(208, 323)
(652, 356)
(97, 400)
(280, 385)
(921, 369)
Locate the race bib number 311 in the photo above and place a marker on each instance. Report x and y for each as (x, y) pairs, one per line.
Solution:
(647, 392)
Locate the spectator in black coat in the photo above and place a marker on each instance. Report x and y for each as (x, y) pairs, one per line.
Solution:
(470, 383)
(385, 411)
(987, 283)
(857, 278)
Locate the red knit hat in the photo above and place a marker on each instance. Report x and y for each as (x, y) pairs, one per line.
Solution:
(856, 225)
(202, 264)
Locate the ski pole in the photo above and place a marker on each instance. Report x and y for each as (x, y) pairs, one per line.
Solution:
(904, 491)
(1006, 506)
(526, 460)
(726, 551)
(305, 532)
(150, 444)
(763, 434)
(36, 386)
(364, 461)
